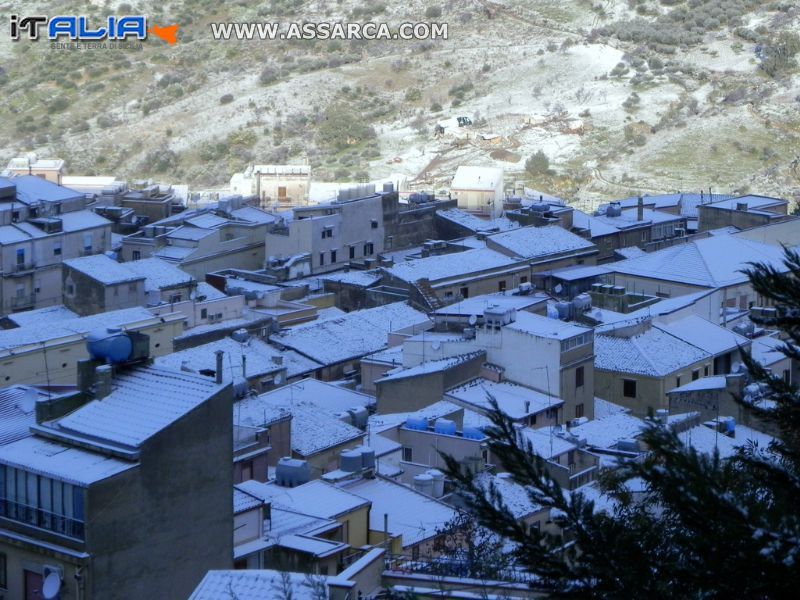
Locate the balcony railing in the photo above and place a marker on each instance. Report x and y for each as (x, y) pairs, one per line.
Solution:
(24, 266)
(24, 301)
(39, 517)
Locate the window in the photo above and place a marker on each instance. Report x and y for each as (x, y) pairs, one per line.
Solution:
(87, 242)
(501, 286)
(327, 232)
(321, 258)
(448, 294)
(579, 410)
(579, 377)
(629, 388)
(136, 255)
(415, 553)
(57, 249)
(41, 501)
(407, 455)
(523, 279)
(203, 313)
(333, 256)
(705, 371)
(369, 248)
(132, 286)
(70, 289)
(695, 374)
(374, 224)
(678, 381)
(574, 342)
(20, 256)
(352, 252)
(175, 298)
(464, 291)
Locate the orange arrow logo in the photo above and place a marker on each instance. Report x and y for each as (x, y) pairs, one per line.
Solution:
(168, 34)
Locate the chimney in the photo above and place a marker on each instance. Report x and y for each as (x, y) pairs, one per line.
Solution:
(640, 209)
(218, 372)
(85, 375)
(102, 386)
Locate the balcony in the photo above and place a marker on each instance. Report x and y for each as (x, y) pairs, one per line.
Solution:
(20, 269)
(23, 302)
(39, 517)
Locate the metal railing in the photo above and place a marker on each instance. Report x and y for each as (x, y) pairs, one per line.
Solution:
(23, 301)
(39, 517)
(449, 566)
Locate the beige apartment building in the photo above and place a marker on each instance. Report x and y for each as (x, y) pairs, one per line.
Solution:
(41, 225)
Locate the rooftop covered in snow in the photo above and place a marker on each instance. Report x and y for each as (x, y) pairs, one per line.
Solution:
(451, 266)
(40, 332)
(258, 584)
(70, 464)
(516, 401)
(710, 262)
(644, 350)
(413, 515)
(353, 335)
(474, 223)
(477, 178)
(261, 359)
(546, 327)
(143, 402)
(539, 242)
(314, 430)
(315, 498)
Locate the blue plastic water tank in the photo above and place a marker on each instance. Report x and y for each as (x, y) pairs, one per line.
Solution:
(418, 423)
(473, 433)
(445, 427)
(111, 345)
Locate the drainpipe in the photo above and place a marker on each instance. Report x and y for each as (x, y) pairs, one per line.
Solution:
(386, 531)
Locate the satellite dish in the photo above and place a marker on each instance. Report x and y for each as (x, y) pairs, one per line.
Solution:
(473, 319)
(436, 345)
(558, 288)
(51, 585)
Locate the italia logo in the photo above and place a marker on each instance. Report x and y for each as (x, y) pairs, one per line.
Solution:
(81, 28)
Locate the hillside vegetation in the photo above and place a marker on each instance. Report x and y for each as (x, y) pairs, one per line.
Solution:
(620, 96)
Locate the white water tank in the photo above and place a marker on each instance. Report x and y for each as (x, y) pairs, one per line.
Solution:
(438, 482)
(423, 483)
